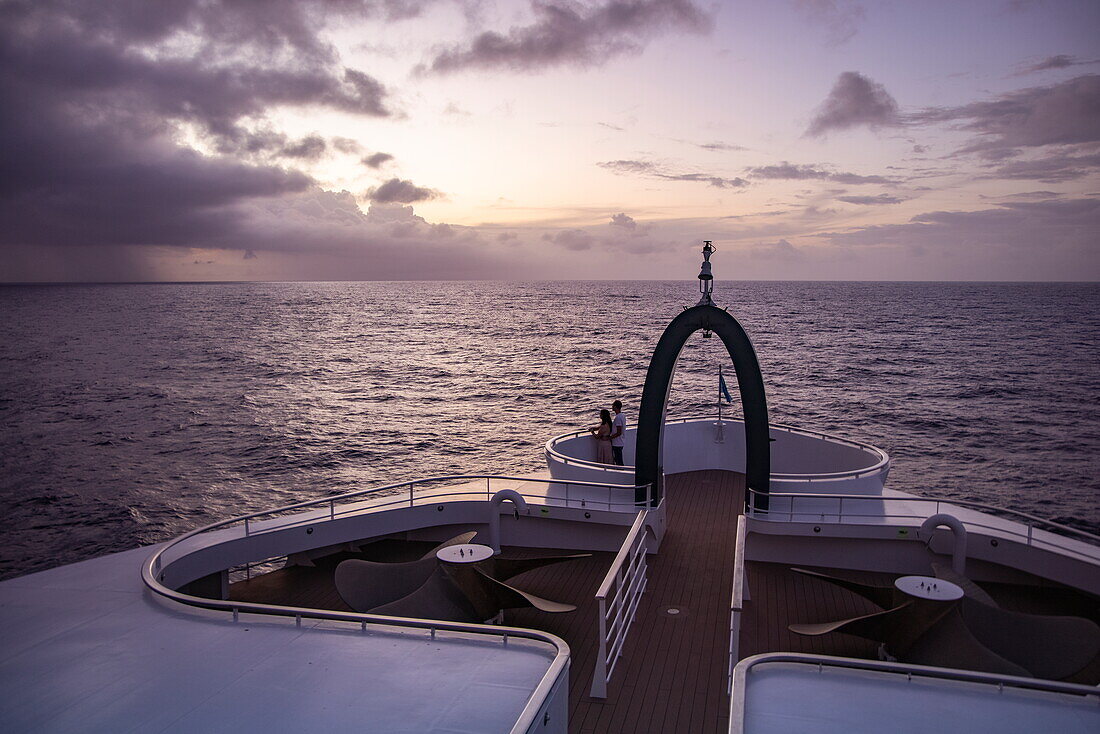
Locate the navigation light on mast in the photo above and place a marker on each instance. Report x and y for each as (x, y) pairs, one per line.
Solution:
(706, 278)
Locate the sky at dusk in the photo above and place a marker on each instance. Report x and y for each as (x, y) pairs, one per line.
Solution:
(454, 139)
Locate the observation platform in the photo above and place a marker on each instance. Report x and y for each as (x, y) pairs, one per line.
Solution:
(801, 460)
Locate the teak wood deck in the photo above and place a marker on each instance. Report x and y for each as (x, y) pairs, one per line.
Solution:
(672, 675)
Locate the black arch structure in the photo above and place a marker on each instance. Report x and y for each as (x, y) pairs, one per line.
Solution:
(651, 414)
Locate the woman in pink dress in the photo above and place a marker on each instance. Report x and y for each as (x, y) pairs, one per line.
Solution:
(602, 432)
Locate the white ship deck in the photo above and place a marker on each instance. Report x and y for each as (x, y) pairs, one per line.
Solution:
(87, 647)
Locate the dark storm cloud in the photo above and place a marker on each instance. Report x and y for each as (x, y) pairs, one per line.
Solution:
(797, 172)
(1067, 113)
(853, 101)
(870, 200)
(652, 170)
(377, 159)
(840, 18)
(567, 33)
(105, 91)
(400, 191)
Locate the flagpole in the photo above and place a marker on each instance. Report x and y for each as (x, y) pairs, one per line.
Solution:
(719, 434)
(719, 394)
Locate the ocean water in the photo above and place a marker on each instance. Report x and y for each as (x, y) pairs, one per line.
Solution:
(132, 413)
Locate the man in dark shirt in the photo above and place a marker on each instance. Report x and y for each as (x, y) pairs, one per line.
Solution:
(618, 428)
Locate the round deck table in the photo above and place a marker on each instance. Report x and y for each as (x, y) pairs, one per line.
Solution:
(464, 553)
(928, 588)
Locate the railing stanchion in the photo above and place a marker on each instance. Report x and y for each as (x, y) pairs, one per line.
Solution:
(599, 679)
(246, 527)
(412, 488)
(488, 490)
(737, 599)
(332, 509)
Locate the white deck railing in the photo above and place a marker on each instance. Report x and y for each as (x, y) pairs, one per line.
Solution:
(1019, 525)
(618, 605)
(421, 491)
(878, 460)
(915, 674)
(737, 597)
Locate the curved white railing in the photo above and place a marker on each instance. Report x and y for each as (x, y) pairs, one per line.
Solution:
(151, 574)
(534, 703)
(1029, 521)
(879, 459)
(401, 499)
(911, 672)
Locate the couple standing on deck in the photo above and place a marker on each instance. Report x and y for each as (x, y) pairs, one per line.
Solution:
(609, 435)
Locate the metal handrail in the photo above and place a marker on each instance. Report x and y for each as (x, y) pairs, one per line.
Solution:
(439, 478)
(410, 500)
(737, 596)
(624, 602)
(917, 498)
(883, 459)
(740, 673)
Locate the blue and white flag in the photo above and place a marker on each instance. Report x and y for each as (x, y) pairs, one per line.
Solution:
(722, 389)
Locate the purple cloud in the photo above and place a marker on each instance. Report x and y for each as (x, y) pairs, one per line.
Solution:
(310, 147)
(718, 145)
(781, 250)
(571, 239)
(377, 159)
(1060, 61)
(799, 172)
(400, 191)
(1066, 113)
(564, 33)
(870, 200)
(94, 151)
(346, 145)
(841, 18)
(652, 170)
(854, 101)
(624, 221)
(1050, 169)
(1068, 225)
